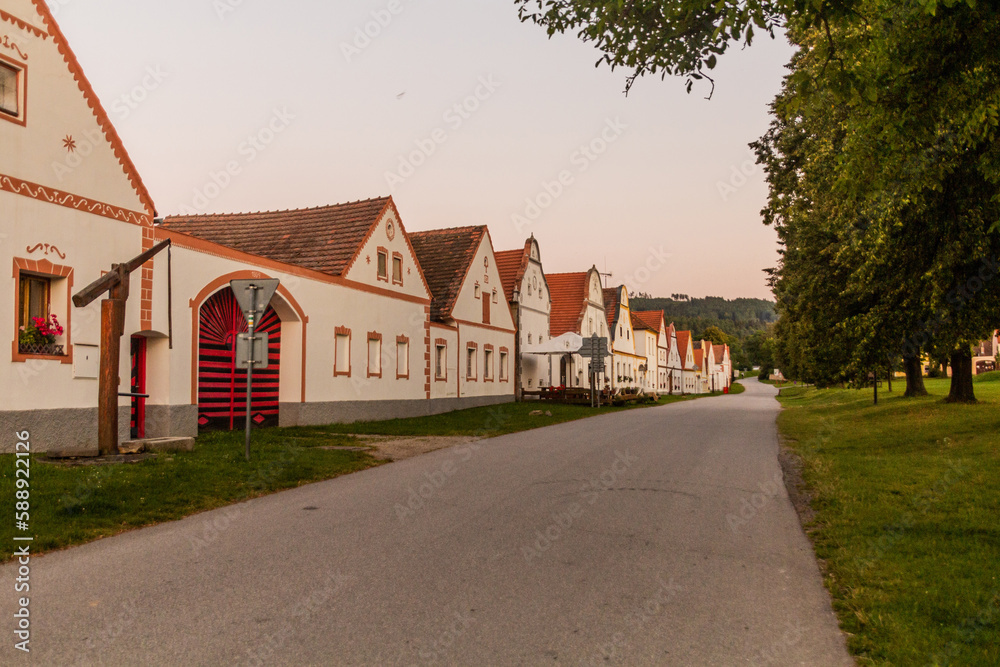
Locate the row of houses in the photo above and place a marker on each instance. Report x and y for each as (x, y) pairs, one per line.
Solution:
(371, 321)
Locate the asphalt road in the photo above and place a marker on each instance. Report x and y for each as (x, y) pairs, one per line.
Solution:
(652, 537)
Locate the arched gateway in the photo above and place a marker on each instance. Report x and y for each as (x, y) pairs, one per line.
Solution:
(221, 385)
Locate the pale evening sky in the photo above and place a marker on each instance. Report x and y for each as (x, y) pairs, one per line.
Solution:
(201, 77)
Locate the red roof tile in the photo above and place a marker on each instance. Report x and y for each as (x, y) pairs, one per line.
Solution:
(323, 239)
(512, 264)
(568, 292)
(650, 319)
(446, 255)
(699, 356)
(683, 340)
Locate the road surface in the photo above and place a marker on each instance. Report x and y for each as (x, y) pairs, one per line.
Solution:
(653, 537)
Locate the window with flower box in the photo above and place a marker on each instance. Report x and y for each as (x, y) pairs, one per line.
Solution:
(42, 310)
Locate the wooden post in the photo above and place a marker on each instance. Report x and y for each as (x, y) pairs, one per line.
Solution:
(112, 330)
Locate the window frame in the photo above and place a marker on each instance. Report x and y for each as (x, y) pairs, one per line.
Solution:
(20, 70)
(504, 361)
(382, 255)
(471, 362)
(489, 361)
(43, 268)
(403, 341)
(397, 256)
(441, 361)
(338, 333)
(374, 337)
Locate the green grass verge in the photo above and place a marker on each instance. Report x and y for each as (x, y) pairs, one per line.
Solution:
(75, 505)
(907, 500)
(737, 388)
(71, 506)
(992, 376)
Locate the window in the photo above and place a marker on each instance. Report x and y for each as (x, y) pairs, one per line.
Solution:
(383, 264)
(478, 291)
(402, 358)
(35, 298)
(43, 291)
(494, 296)
(471, 357)
(342, 352)
(504, 375)
(441, 360)
(374, 354)
(397, 268)
(488, 363)
(11, 91)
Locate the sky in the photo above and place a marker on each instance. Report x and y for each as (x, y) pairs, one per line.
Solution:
(462, 113)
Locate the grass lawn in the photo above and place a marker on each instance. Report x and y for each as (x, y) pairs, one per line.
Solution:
(907, 518)
(70, 506)
(80, 504)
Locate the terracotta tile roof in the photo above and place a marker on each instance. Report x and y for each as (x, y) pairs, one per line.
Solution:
(568, 292)
(720, 353)
(446, 255)
(699, 357)
(683, 339)
(650, 319)
(323, 239)
(611, 301)
(512, 264)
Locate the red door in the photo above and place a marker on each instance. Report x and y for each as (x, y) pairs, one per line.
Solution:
(138, 421)
(222, 387)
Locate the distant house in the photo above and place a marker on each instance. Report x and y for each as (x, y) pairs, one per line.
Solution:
(653, 344)
(723, 367)
(471, 331)
(628, 366)
(527, 292)
(690, 373)
(577, 312)
(984, 355)
(675, 369)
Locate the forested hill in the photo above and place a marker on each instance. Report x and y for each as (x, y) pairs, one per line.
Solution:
(737, 317)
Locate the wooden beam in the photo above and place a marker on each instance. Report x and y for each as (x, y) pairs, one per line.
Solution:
(91, 292)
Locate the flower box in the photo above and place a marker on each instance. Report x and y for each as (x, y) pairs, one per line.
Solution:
(42, 349)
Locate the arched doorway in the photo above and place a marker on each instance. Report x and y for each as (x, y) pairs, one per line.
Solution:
(221, 385)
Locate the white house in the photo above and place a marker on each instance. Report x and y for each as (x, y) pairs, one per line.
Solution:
(471, 329)
(71, 205)
(646, 329)
(656, 321)
(577, 309)
(527, 292)
(675, 369)
(627, 364)
(690, 370)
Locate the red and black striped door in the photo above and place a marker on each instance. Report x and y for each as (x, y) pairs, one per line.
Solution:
(138, 385)
(222, 387)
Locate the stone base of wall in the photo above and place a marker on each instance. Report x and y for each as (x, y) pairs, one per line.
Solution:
(347, 412)
(75, 430)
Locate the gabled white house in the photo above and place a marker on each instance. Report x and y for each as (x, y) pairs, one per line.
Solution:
(627, 363)
(71, 205)
(471, 329)
(690, 372)
(646, 329)
(577, 309)
(527, 293)
(656, 321)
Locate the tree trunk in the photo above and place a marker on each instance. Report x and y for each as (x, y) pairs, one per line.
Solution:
(914, 377)
(889, 376)
(962, 390)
